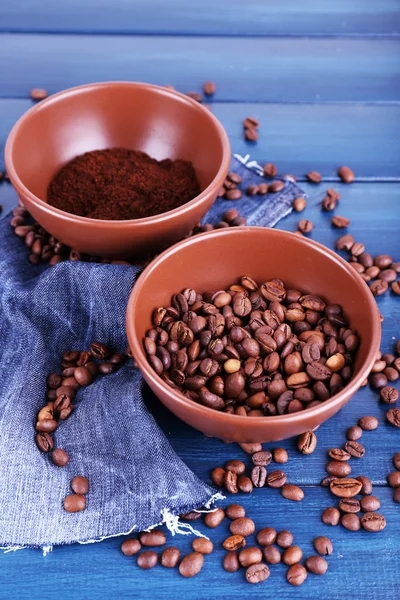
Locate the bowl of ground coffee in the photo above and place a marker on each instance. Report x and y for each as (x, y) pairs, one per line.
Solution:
(118, 169)
(252, 334)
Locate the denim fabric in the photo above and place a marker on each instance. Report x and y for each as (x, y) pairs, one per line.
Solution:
(134, 475)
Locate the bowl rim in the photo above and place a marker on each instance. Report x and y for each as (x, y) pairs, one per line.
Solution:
(22, 190)
(335, 401)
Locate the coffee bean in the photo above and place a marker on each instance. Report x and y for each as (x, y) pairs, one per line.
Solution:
(389, 395)
(391, 374)
(396, 461)
(83, 376)
(202, 545)
(147, 559)
(155, 537)
(307, 442)
(251, 122)
(236, 466)
(340, 222)
(80, 485)
(346, 174)
(46, 426)
(234, 542)
(280, 455)
(299, 204)
(262, 189)
(370, 504)
(38, 94)
(284, 539)
(366, 485)
(53, 381)
(394, 479)
(368, 423)
(251, 134)
(261, 459)
(317, 565)
(99, 350)
(59, 457)
(323, 545)
(214, 518)
(250, 556)
(47, 412)
(276, 479)
(345, 488)
(331, 516)
(245, 484)
(44, 442)
(231, 562)
(217, 476)
(339, 455)
(396, 495)
(258, 476)
(209, 88)
(292, 492)
(234, 194)
(276, 186)
(242, 526)
(252, 190)
(257, 573)
(270, 170)
(326, 481)
(373, 521)
(314, 177)
(349, 505)
(355, 449)
(170, 557)
(266, 536)
(318, 371)
(354, 433)
(271, 555)
(351, 522)
(393, 416)
(338, 469)
(296, 575)
(251, 448)
(230, 482)
(192, 515)
(130, 547)
(292, 555)
(230, 215)
(305, 226)
(74, 503)
(379, 287)
(345, 242)
(395, 287)
(234, 511)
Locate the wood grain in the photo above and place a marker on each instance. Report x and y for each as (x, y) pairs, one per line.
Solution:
(244, 69)
(225, 17)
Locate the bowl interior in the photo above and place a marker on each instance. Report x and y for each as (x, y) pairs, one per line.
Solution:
(160, 122)
(213, 261)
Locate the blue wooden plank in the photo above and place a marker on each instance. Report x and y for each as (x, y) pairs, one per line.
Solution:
(299, 138)
(363, 565)
(244, 69)
(226, 17)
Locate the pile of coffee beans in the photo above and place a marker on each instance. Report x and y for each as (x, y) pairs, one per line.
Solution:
(394, 478)
(231, 191)
(385, 371)
(78, 369)
(252, 349)
(271, 547)
(378, 271)
(235, 478)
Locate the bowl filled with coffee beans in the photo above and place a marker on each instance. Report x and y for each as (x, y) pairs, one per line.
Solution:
(118, 169)
(252, 334)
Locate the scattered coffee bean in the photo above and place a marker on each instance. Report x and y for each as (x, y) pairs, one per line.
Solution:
(257, 573)
(59, 457)
(230, 482)
(214, 518)
(270, 170)
(251, 134)
(366, 485)
(393, 416)
(338, 454)
(80, 485)
(346, 174)
(276, 186)
(379, 287)
(242, 526)
(284, 539)
(296, 575)
(235, 466)
(170, 557)
(340, 222)
(389, 395)
(209, 88)
(271, 555)
(74, 503)
(251, 448)
(368, 423)
(307, 442)
(38, 94)
(378, 380)
(147, 559)
(292, 555)
(345, 488)
(231, 562)
(293, 492)
(155, 537)
(202, 545)
(44, 442)
(331, 516)
(373, 522)
(130, 547)
(395, 287)
(317, 565)
(338, 469)
(234, 542)
(250, 556)
(323, 545)
(326, 481)
(351, 521)
(192, 515)
(370, 504)
(261, 459)
(349, 505)
(355, 449)
(396, 461)
(305, 226)
(345, 242)
(276, 479)
(258, 476)
(245, 484)
(234, 511)
(354, 433)
(299, 204)
(396, 495)
(266, 536)
(394, 479)
(280, 455)
(314, 177)
(217, 476)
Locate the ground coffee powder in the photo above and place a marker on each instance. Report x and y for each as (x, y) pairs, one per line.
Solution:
(122, 184)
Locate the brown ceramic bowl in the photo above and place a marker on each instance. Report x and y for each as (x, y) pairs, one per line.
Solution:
(215, 260)
(158, 121)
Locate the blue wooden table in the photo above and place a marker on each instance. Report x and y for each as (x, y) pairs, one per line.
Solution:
(323, 78)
